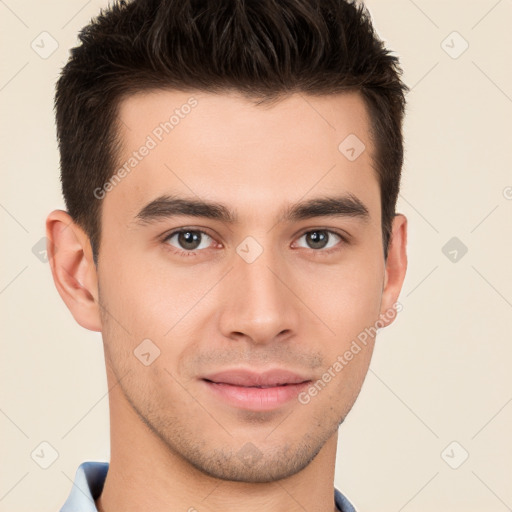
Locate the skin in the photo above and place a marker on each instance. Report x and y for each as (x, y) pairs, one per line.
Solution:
(175, 446)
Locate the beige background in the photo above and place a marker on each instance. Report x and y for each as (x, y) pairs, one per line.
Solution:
(440, 373)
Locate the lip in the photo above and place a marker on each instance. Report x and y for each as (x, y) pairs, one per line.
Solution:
(250, 390)
(248, 378)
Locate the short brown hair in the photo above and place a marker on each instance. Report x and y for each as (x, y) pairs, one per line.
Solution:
(264, 49)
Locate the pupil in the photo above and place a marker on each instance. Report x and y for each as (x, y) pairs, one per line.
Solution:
(188, 238)
(318, 239)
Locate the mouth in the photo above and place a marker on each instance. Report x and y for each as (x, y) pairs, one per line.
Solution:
(248, 390)
(259, 387)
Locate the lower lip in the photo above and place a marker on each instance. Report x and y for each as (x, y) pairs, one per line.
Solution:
(256, 399)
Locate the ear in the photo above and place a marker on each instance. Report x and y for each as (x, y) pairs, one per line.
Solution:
(73, 268)
(396, 266)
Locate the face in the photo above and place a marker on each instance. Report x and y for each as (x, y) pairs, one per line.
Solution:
(222, 319)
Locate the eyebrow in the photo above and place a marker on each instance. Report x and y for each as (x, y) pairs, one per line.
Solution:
(166, 206)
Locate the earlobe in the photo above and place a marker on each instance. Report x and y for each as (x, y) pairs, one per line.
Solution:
(73, 269)
(396, 266)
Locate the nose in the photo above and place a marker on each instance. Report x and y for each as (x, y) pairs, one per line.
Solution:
(258, 301)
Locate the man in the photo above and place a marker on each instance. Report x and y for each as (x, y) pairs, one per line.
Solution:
(230, 172)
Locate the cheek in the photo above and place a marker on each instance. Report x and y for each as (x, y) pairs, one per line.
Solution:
(141, 293)
(151, 302)
(346, 297)
(351, 308)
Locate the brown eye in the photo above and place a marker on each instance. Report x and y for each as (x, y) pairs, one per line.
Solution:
(320, 239)
(187, 240)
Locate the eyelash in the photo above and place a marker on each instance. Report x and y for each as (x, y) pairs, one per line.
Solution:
(319, 252)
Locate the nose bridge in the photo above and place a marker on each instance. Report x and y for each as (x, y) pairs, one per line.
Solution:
(259, 304)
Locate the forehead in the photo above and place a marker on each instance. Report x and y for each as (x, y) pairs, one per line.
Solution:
(226, 148)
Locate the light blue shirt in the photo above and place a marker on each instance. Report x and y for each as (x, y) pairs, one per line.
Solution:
(90, 477)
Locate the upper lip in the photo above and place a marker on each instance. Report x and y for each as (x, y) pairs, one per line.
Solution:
(240, 377)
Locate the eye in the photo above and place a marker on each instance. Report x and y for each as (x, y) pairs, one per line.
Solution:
(188, 239)
(321, 239)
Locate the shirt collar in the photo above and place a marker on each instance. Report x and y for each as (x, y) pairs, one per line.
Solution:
(89, 479)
